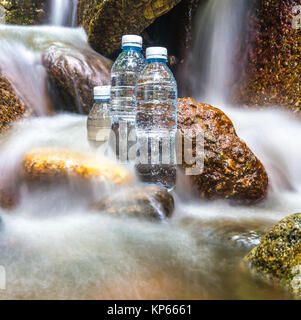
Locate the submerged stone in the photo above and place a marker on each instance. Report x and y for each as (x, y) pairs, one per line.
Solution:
(106, 21)
(73, 74)
(8, 197)
(278, 256)
(243, 235)
(231, 170)
(150, 202)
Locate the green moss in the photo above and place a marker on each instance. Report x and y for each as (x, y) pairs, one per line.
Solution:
(278, 257)
(24, 12)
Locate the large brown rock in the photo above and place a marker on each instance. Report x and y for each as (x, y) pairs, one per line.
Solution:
(73, 73)
(231, 170)
(12, 107)
(150, 202)
(278, 257)
(106, 21)
(270, 74)
(24, 12)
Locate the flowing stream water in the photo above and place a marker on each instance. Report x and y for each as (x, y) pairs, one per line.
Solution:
(63, 13)
(54, 246)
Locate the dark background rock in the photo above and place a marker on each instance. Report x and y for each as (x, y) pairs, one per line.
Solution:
(106, 21)
(173, 30)
(73, 74)
(231, 170)
(269, 59)
(25, 12)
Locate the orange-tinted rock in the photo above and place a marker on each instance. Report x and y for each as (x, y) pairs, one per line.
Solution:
(74, 73)
(47, 164)
(231, 170)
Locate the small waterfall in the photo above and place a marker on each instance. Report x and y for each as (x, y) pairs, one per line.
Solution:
(210, 63)
(63, 13)
(22, 49)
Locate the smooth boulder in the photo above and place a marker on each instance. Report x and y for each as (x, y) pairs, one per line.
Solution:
(146, 202)
(231, 170)
(73, 73)
(47, 165)
(278, 257)
(106, 21)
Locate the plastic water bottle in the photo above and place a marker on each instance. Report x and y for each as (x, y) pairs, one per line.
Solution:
(156, 120)
(124, 75)
(99, 119)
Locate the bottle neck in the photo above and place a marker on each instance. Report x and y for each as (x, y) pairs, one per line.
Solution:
(100, 99)
(158, 60)
(131, 48)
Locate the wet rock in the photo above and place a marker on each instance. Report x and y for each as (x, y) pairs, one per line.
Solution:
(231, 170)
(46, 165)
(24, 12)
(12, 108)
(177, 36)
(278, 256)
(8, 198)
(73, 73)
(150, 202)
(271, 74)
(106, 21)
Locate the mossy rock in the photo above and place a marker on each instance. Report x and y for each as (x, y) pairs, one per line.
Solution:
(12, 107)
(278, 256)
(24, 12)
(106, 21)
(269, 61)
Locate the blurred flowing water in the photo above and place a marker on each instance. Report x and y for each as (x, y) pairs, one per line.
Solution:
(63, 13)
(54, 246)
(21, 59)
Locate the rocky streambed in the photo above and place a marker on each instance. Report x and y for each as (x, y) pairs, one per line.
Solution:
(75, 224)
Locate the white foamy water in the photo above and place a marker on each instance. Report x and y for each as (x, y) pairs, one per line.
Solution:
(55, 246)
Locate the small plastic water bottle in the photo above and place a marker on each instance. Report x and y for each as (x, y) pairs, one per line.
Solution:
(99, 119)
(125, 73)
(156, 120)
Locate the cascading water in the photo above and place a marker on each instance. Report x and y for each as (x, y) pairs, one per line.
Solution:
(28, 74)
(210, 63)
(54, 246)
(63, 13)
